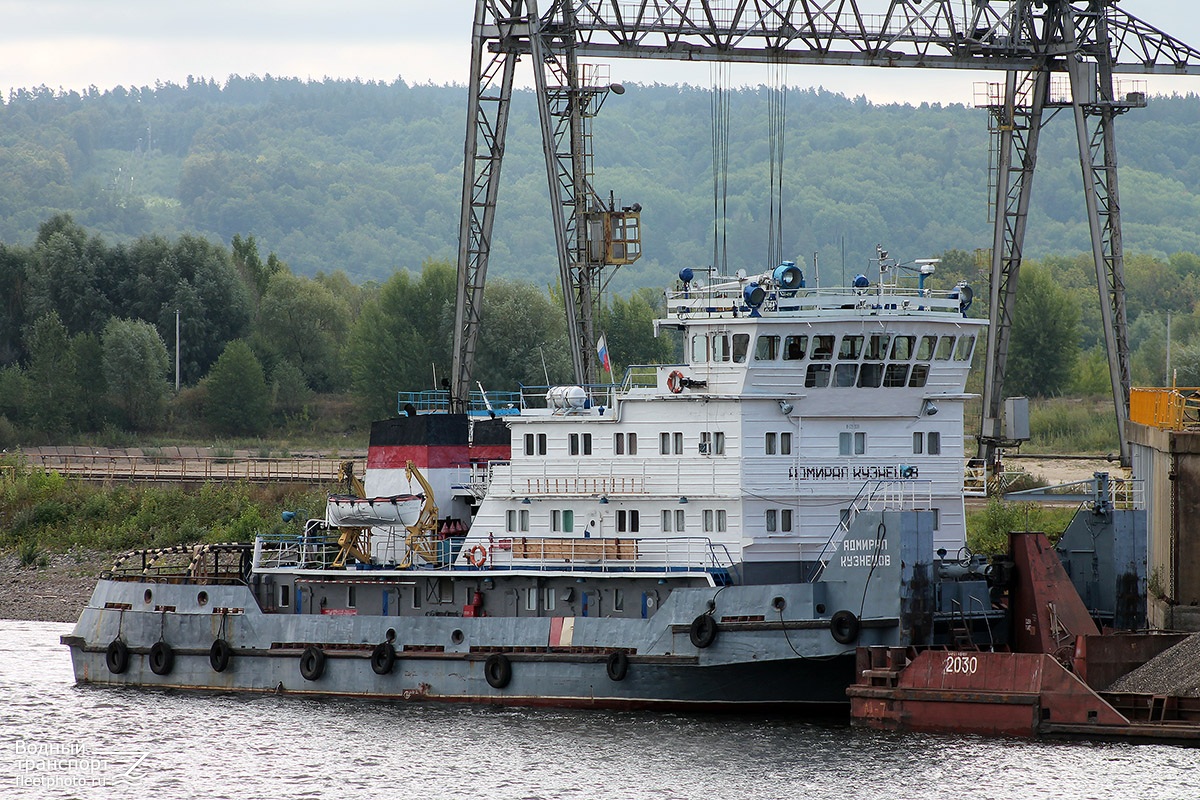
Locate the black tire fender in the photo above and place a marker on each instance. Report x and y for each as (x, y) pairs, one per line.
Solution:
(383, 658)
(617, 666)
(116, 657)
(162, 658)
(844, 626)
(219, 655)
(497, 670)
(703, 631)
(312, 663)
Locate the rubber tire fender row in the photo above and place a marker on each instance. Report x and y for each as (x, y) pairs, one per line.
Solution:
(219, 655)
(497, 670)
(383, 658)
(844, 627)
(116, 657)
(162, 658)
(312, 663)
(703, 631)
(617, 666)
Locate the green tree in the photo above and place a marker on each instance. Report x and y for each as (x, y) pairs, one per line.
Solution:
(55, 392)
(403, 335)
(290, 394)
(237, 398)
(1045, 336)
(521, 327)
(135, 371)
(628, 326)
(302, 321)
(91, 413)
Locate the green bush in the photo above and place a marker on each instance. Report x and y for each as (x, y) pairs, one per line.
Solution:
(988, 528)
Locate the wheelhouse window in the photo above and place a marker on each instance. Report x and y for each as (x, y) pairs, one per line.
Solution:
(926, 347)
(919, 376)
(766, 348)
(699, 349)
(822, 348)
(851, 348)
(720, 347)
(902, 347)
(844, 374)
(870, 376)
(945, 348)
(794, 347)
(877, 347)
(896, 375)
(741, 343)
(817, 376)
(965, 345)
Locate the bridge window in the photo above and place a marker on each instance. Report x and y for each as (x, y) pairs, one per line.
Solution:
(844, 374)
(920, 374)
(945, 348)
(895, 375)
(877, 346)
(822, 349)
(794, 348)
(720, 347)
(926, 348)
(902, 348)
(699, 349)
(817, 376)
(851, 348)
(741, 343)
(870, 376)
(965, 345)
(766, 348)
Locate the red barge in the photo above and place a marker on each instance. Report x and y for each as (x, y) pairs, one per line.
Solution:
(1051, 681)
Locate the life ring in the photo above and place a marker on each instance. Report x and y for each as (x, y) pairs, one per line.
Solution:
(844, 626)
(219, 655)
(312, 663)
(617, 666)
(162, 658)
(703, 631)
(497, 670)
(477, 555)
(116, 657)
(675, 382)
(383, 658)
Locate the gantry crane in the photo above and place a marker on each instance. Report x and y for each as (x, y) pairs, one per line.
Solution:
(1089, 41)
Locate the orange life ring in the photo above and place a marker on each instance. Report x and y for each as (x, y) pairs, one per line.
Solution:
(675, 382)
(477, 555)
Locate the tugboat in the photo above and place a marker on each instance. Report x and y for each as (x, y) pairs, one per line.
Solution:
(720, 533)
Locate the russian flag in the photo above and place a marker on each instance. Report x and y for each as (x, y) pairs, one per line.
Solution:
(602, 351)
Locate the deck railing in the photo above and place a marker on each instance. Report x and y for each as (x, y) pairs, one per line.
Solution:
(1173, 409)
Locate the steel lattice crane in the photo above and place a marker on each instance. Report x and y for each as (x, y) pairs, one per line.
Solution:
(1089, 41)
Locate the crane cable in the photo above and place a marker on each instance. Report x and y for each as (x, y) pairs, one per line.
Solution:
(776, 119)
(719, 110)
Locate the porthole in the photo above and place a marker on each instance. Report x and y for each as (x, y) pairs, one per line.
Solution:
(202, 598)
(457, 636)
(148, 596)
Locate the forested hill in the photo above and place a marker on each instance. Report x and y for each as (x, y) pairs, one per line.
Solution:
(366, 177)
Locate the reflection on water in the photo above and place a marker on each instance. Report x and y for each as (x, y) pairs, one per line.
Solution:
(60, 740)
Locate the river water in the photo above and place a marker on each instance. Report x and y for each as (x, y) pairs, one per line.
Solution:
(60, 740)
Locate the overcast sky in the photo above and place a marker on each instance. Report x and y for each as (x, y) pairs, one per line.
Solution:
(73, 44)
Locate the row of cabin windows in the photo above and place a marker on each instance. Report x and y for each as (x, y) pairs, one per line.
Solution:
(626, 444)
(721, 347)
(628, 520)
(544, 598)
(779, 520)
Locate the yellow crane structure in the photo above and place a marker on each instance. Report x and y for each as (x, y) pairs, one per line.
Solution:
(422, 534)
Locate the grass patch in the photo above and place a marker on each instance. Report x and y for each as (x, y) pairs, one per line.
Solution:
(44, 512)
(988, 527)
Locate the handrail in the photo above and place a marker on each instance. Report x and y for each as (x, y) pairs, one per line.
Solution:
(103, 467)
(1173, 408)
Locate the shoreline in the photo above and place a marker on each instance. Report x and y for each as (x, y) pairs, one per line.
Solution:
(56, 592)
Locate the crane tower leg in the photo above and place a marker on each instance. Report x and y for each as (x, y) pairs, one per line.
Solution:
(1019, 121)
(487, 122)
